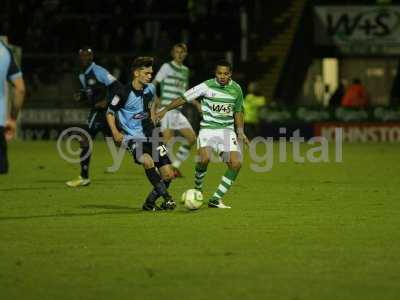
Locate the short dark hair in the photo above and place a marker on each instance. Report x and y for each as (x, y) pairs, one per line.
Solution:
(85, 49)
(223, 63)
(180, 45)
(142, 62)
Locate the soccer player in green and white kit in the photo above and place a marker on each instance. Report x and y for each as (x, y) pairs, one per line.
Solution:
(222, 107)
(173, 78)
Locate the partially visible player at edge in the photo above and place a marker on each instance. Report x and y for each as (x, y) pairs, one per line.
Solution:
(173, 78)
(222, 107)
(97, 85)
(132, 107)
(9, 71)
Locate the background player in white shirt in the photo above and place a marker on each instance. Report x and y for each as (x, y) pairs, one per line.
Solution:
(173, 78)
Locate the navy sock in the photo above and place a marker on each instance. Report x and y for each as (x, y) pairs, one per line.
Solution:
(159, 185)
(85, 161)
(153, 176)
(3, 153)
(154, 195)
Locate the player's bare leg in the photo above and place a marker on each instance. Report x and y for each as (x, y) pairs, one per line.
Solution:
(184, 149)
(168, 134)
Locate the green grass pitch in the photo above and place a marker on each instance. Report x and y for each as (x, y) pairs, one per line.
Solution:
(301, 231)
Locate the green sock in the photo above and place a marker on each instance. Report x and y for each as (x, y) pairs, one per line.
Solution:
(226, 182)
(199, 175)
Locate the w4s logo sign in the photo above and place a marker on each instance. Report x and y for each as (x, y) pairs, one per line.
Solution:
(222, 108)
(363, 24)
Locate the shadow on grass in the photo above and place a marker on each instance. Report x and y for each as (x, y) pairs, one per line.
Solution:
(122, 211)
(119, 179)
(16, 189)
(107, 206)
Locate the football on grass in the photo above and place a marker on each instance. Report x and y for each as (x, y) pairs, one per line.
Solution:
(192, 199)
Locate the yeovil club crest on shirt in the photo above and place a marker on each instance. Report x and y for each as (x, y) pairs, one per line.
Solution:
(218, 95)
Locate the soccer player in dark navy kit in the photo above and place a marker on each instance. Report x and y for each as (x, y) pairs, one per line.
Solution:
(130, 118)
(9, 71)
(97, 86)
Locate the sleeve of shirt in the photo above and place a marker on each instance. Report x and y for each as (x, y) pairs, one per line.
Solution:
(14, 71)
(115, 87)
(195, 92)
(162, 73)
(239, 102)
(104, 76)
(152, 89)
(82, 80)
(117, 102)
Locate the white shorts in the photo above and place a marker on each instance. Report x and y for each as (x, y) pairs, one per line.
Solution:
(220, 140)
(174, 120)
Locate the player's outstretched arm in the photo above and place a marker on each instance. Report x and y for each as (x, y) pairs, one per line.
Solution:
(197, 105)
(190, 95)
(154, 108)
(174, 104)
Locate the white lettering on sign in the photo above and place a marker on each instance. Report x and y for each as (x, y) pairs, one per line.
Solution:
(362, 133)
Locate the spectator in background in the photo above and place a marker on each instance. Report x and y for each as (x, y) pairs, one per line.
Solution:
(356, 95)
(200, 64)
(319, 89)
(199, 41)
(33, 39)
(119, 40)
(336, 98)
(164, 45)
(253, 101)
(218, 43)
(118, 69)
(395, 90)
(105, 44)
(138, 41)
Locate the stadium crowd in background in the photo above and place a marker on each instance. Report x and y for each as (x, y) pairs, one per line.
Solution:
(51, 24)
(49, 31)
